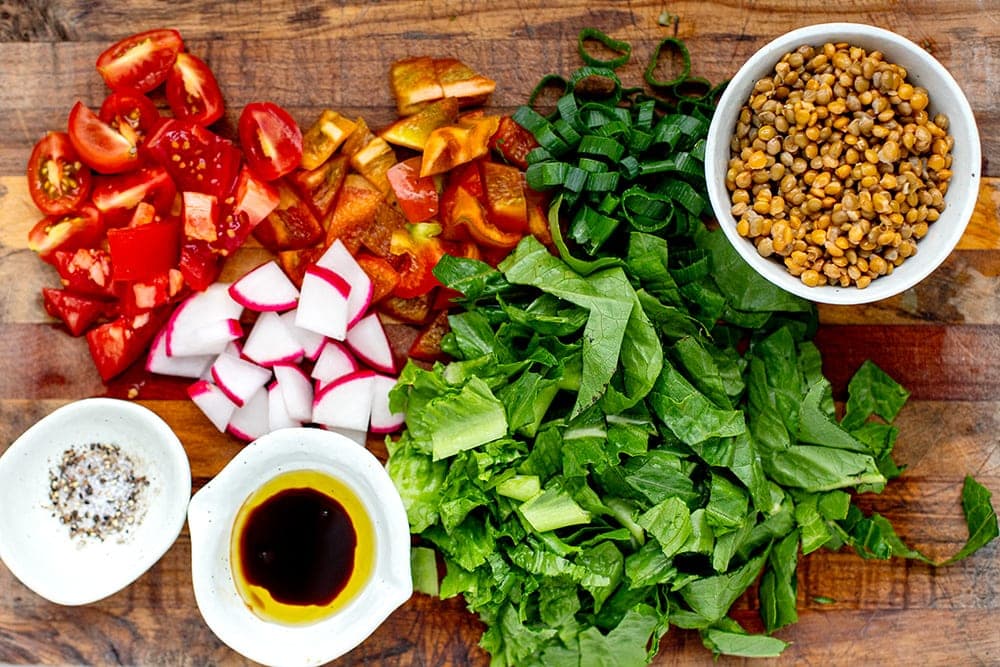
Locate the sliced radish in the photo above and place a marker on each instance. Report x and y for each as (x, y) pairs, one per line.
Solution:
(311, 341)
(159, 362)
(339, 259)
(270, 342)
(238, 379)
(346, 402)
(333, 363)
(367, 339)
(383, 420)
(323, 303)
(213, 402)
(201, 308)
(250, 421)
(277, 413)
(265, 288)
(210, 337)
(296, 390)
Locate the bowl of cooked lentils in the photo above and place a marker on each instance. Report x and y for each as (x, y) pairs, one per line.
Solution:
(843, 163)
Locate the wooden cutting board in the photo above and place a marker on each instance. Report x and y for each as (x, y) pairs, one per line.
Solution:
(941, 339)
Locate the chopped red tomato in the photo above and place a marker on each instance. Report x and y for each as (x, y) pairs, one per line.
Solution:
(200, 215)
(271, 140)
(197, 159)
(143, 252)
(505, 198)
(143, 295)
(85, 271)
(192, 92)
(80, 229)
(355, 211)
(116, 345)
(290, 225)
(199, 264)
(57, 180)
(254, 201)
(99, 145)
(116, 196)
(130, 114)
(415, 253)
(76, 311)
(513, 143)
(141, 61)
(418, 197)
(320, 186)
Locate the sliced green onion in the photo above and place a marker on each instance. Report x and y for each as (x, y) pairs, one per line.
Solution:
(570, 112)
(678, 47)
(585, 73)
(566, 131)
(601, 146)
(685, 195)
(605, 181)
(545, 175)
(548, 81)
(630, 166)
(575, 179)
(591, 229)
(591, 165)
(538, 154)
(624, 49)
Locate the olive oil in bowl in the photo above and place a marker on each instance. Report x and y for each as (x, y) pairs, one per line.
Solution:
(302, 547)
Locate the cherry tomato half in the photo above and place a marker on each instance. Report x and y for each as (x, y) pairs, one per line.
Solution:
(78, 229)
(271, 140)
(141, 61)
(57, 180)
(99, 145)
(192, 92)
(118, 195)
(197, 159)
(130, 114)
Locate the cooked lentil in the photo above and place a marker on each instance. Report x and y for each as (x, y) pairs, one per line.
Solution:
(836, 168)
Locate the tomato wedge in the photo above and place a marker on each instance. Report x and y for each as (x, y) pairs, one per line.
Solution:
(116, 345)
(57, 181)
(116, 195)
(79, 229)
(271, 140)
(192, 91)
(197, 159)
(141, 61)
(131, 114)
(417, 196)
(100, 147)
(76, 311)
(141, 253)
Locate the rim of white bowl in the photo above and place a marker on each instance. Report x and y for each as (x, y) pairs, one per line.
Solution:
(944, 234)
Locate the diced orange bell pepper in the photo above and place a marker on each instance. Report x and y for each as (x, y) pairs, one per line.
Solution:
(459, 80)
(373, 160)
(415, 252)
(505, 198)
(412, 310)
(295, 262)
(292, 224)
(452, 145)
(414, 83)
(377, 237)
(320, 186)
(538, 218)
(468, 211)
(358, 138)
(324, 137)
(427, 345)
(355, 210)
(383, 276)
(413, 131)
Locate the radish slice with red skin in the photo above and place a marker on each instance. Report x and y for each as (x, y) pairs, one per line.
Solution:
(159, 362)
(270, 342)
(323, 303)
(333, 363)
(277, 412)
(368, 341)
(312, 342)
(383, 420)
(346, 402)
(250, 422)
(296, 391)
(339, 259)
(265, 288)
(211, 401)
(200, 309)
(238, 379)
(210, 338)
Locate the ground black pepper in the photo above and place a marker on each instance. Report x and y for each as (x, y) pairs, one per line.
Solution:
(95, 491)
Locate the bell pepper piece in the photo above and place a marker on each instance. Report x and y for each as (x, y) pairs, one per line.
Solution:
(538, 218)
(142, 252)
(415, 253)
(452, 145)
(469, 212)
(414, 83)
(76, 311)
(358, 139)
(295, 262)
(320, 186)
(324, 137)
(513, 143)
(383, 276)
(290, 225)
(373, 160)
(377, 237)
(411, 310)
(356, 208)
(417, 196)
(427, 345)
(460, 81)
(506, 202)
(413, 131)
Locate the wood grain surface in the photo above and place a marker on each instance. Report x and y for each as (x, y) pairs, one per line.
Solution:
(940, 339)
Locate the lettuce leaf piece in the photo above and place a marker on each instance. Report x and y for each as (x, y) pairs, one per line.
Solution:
(872, 392)
(778, 585)
(711, 597)
(688, 413)
(742, 644)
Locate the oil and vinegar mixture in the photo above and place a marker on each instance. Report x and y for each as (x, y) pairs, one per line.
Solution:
(302, 547)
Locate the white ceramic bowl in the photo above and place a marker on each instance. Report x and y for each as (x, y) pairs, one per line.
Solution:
(40, 551)
(211, 516)
(945, 97)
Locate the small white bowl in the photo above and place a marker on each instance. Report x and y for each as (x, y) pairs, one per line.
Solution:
(40, 551)
(212, 513)
(945, 97)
